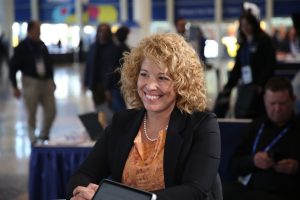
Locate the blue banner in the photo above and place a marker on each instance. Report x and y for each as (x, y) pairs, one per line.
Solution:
(94, 12)
(111, 2)
(98, 11)
(285, 8)
(57, 11)
(22, 10)
(159, 10)
(194, 10)
(232, 9)
(63, 11)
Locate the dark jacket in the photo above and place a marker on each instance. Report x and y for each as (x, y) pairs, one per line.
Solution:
(191, 156)
(25, 57)
(262, 60)
(101, 62)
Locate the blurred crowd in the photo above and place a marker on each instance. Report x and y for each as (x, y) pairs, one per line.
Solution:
(286, 42)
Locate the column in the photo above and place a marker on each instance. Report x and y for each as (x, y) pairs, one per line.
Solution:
(124, 10)
(142, 15)
(79, 23)
(6, 19)
(78, 14)
(170, 12)
(221, 71)
(34, 8)
(269, 14)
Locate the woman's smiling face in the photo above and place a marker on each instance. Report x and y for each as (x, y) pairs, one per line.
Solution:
(155, 88)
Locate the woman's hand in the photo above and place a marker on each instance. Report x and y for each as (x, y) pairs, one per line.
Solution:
(84, 193)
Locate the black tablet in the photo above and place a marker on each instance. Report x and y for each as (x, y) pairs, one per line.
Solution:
(110, 190)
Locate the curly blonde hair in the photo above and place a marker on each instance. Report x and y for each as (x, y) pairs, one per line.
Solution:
(173, 54)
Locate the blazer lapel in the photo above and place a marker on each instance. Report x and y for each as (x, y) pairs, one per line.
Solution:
(129, 131)
(174, 141)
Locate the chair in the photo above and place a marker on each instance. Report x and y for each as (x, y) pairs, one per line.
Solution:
(231, 131)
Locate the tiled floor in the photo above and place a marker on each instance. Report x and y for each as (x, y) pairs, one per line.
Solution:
(14, 143)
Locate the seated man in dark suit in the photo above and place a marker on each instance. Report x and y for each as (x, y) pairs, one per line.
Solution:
(267, 159)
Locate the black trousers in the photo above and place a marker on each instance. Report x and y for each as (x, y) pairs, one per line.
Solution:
(98, 92)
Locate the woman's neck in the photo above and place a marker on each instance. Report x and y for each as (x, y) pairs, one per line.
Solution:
(155, 122)
(158, 118)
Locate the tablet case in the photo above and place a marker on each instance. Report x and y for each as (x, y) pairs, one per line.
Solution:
(91, 124)
(111, 190)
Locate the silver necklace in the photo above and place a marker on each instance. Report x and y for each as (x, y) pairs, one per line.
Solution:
(145, 130)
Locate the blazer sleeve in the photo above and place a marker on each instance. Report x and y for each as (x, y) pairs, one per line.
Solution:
(200, 168)
(94, 168)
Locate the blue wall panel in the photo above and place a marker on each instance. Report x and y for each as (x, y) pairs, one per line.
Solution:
(232, 9)
(56, 11)
(159, 10)
(194, 9)
(22, 10)
(189, 9)
(284, 8)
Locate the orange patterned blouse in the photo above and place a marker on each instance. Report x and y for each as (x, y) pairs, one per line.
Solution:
(144, 166)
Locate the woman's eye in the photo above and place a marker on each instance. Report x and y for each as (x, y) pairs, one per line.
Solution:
(165, 78)
(143, 74)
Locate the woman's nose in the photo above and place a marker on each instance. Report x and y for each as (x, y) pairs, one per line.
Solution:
(151, 84)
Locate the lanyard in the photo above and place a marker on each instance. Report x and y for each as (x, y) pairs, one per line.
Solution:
(259, 133)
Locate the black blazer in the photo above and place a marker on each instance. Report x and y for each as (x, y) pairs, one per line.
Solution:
(191, 155)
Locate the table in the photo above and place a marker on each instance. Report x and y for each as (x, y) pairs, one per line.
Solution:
(288, 70)
(50, 169)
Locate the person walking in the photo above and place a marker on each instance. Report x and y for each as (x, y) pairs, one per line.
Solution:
(32, 58)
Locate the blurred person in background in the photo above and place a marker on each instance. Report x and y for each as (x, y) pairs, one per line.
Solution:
(201, 39)
(254, 65)
(119, 39)
(180, 25)
(4, 54)
(102, 58)
(267, 159)
(280, 40)
(294, 42)
(194, 35)
(32, 58)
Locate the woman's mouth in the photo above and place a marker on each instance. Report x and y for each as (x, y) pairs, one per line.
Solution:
(152, 97)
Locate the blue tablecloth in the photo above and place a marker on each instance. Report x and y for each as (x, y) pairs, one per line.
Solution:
(50, 169)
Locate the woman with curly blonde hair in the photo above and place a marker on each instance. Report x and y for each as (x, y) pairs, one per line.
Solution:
(176, 56)
(167, 143)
